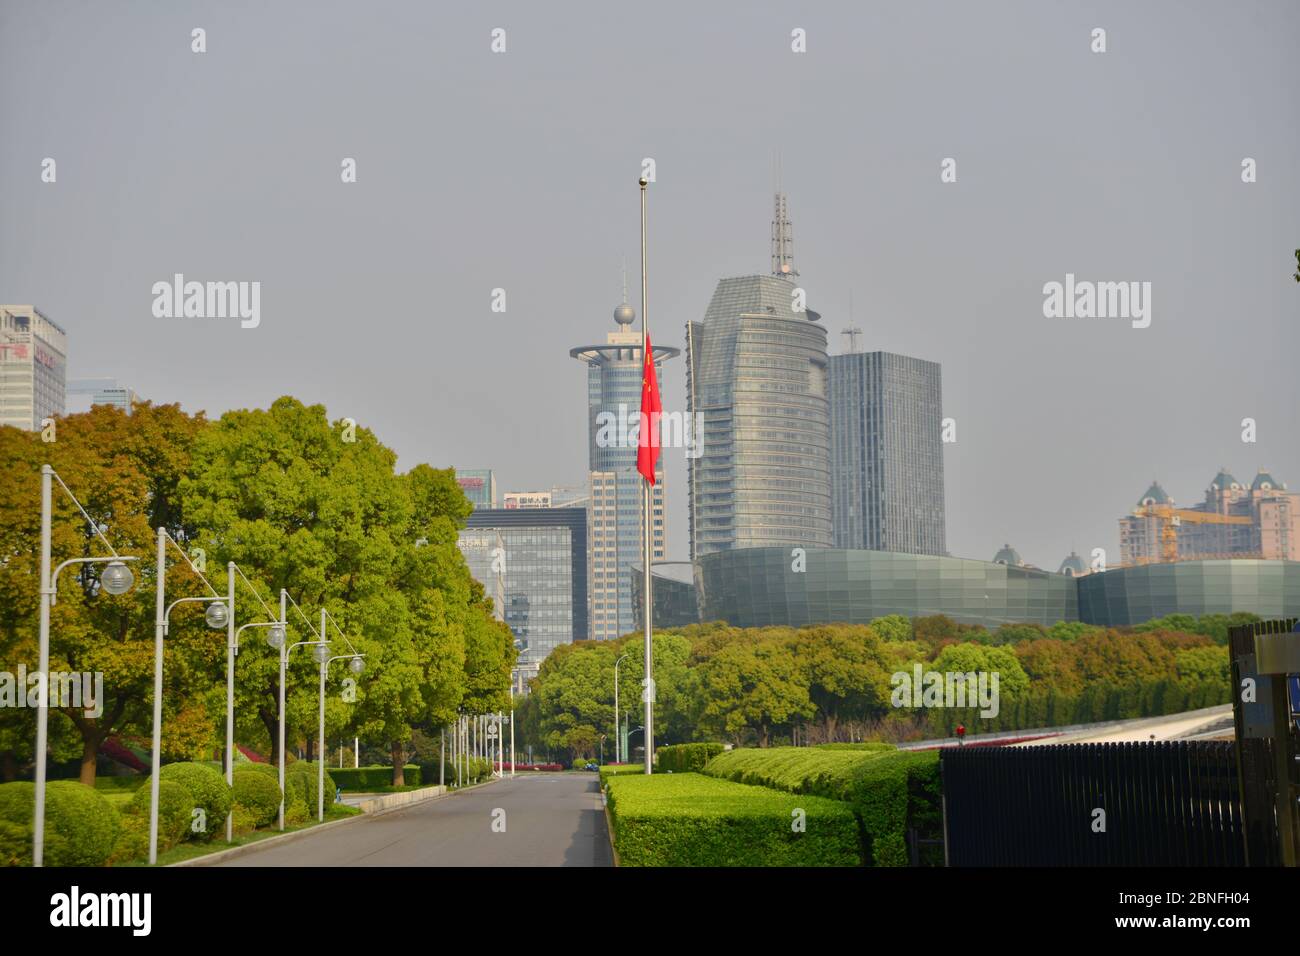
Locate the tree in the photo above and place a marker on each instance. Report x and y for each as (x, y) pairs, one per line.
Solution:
(125, 470)
(844, 671)
(756, 685)
(892, 627)
(319, 509)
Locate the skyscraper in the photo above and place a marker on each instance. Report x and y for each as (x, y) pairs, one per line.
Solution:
(615, 512)
(33, 366)
(479, 485)
(533, 562)
(887, 453)
(756, 373)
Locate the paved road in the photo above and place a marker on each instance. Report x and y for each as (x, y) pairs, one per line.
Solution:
(550, 820)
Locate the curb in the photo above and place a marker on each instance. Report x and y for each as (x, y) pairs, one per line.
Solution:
(609, 827)
(235, 851)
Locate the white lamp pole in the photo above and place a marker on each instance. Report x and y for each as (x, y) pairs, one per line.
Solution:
(284, 657)
(320, 773)
(160, 626)
(116, 579)
(43, 703)
(230, 696)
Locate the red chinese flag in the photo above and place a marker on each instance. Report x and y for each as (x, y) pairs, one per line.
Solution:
(647, 453)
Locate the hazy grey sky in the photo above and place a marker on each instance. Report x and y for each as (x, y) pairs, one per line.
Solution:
(518, 170)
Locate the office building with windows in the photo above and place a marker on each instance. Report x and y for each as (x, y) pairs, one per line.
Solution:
(757, 377)
(615, 499)
(887, 453)
(479, 485)
(540, 573)
(33, 367)
(1233, 520)
(85, 393)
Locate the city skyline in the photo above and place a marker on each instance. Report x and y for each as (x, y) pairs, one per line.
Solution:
(358, 294)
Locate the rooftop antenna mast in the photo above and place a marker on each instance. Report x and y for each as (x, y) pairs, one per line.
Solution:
(782, 233)
(852, 332)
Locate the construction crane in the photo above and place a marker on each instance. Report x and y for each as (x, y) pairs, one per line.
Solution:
(1172, 518)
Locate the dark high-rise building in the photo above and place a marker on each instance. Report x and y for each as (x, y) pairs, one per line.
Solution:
(887, 453)
(756, 374)
(536, 559)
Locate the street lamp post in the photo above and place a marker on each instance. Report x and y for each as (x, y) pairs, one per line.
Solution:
(321, 653)
(218, 617)
(278, 641)
(618, 758)
(115, 579)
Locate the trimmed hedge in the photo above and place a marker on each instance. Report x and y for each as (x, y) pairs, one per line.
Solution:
(871, 746)
(890, 791)
(686, 758)
(81, 826)
(361, 779)
(208, 790)
(175, 805)
(687, 819)
(619, 769)
(257, 796)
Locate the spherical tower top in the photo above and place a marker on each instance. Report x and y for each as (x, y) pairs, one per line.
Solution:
(625, 314)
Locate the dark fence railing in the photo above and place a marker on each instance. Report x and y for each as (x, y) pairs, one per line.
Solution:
(1171, 803)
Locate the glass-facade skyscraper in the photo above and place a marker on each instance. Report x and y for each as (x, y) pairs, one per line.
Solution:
(887, 453)
(479, 485)
(615, 508)
(756, 373)
(540, 570)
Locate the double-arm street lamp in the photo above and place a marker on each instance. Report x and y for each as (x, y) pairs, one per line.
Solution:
(116, 578)
(356, 665)
(321, 654)
(276, 639)
(219, 615)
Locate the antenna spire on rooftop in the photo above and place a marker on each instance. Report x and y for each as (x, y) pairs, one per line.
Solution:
(782, 233)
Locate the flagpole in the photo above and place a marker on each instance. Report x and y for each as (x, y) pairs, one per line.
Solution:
(647, 603)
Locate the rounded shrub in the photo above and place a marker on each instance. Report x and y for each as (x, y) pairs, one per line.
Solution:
(175, 811)
(258, 796)
(295, 799)
(80, 825)
(208, 790)
(268, 769)
(133, 837)
(15, 844)
(308, 772)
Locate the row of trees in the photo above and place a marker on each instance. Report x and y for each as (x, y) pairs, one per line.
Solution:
(298, 502)
(829, 683)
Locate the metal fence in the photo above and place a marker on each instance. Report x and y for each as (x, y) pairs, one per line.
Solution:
(1171, 803)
